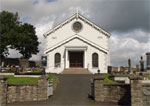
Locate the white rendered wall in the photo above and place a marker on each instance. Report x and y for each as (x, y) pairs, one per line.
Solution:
(87, 32)
(103, 58)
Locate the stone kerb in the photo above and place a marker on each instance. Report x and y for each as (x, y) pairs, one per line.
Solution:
(136, 90)
(98, 88)
(3, 91)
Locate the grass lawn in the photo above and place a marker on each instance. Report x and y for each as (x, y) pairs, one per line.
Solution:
(148, 77)
(107, 80)
(52, 78)
(21, 80)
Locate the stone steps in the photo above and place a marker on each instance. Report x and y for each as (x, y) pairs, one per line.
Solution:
(75, 71)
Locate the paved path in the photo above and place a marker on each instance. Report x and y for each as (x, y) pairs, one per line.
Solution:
(72, 90)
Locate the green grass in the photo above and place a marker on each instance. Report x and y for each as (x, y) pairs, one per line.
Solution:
(107, 80)
(21, 80)
(148, 77)
(52, 78)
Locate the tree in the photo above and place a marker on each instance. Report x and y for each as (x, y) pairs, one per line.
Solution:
(15, 35)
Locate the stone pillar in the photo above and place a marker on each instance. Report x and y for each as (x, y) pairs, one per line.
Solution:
(42, 88)
(3, 91)
(98, 88)
(136, 90)
(148, 60)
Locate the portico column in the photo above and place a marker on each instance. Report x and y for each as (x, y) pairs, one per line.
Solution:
(66, 59)
(85, 61)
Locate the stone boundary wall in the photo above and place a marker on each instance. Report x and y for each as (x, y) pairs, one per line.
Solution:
(117, 93)
(134, 94)
(23, 92)
(146, 94)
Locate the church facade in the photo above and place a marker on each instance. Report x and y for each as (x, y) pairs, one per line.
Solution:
(77, 43)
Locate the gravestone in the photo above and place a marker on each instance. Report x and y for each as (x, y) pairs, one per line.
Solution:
(141, 64)
(137, 68)
(24, 62)
(148, 60)
(129, 66)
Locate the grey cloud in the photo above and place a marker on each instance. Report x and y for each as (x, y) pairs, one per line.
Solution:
(122, 15)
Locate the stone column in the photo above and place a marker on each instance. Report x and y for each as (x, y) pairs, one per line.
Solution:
(136, 90)
(3, 91)
(98, 88)
(148, 60)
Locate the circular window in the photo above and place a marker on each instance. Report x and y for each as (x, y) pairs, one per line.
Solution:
(77, 26)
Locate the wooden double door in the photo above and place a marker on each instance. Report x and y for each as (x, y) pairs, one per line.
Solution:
(76, 59)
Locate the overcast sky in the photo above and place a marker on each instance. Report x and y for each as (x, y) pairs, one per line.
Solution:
(128, 21)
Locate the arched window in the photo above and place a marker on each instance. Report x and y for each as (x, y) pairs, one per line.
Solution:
(57, 59)
(95, 60)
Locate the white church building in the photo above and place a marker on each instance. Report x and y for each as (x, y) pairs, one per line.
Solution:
(77, 43)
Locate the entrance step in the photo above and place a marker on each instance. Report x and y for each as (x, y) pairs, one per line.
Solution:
(75, 71)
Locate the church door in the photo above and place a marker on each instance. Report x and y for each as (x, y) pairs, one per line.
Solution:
(76, 59)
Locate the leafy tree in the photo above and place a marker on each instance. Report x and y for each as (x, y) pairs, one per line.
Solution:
(15, 35)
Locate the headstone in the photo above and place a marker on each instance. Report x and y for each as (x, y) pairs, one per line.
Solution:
(118, 68)
(2, 64)
(24, 62)
(109, 69)
(141, 64)
(129, 66)
(148, 60)
(137, 68)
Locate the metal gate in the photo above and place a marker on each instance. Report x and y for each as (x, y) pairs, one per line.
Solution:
(49, 88)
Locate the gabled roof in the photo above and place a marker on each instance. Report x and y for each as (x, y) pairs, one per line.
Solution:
(77, 16)
(76, 36)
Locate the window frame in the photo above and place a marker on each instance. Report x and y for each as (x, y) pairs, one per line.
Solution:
(57, 60)
(95, 62)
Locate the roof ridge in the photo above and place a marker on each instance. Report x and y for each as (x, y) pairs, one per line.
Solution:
(77, 16)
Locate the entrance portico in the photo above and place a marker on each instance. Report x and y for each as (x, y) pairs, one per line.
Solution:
(75, 57)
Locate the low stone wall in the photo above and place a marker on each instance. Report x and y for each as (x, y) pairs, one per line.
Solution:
(23, 92)
(146, 94)
(118, 93)
(134, 94)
